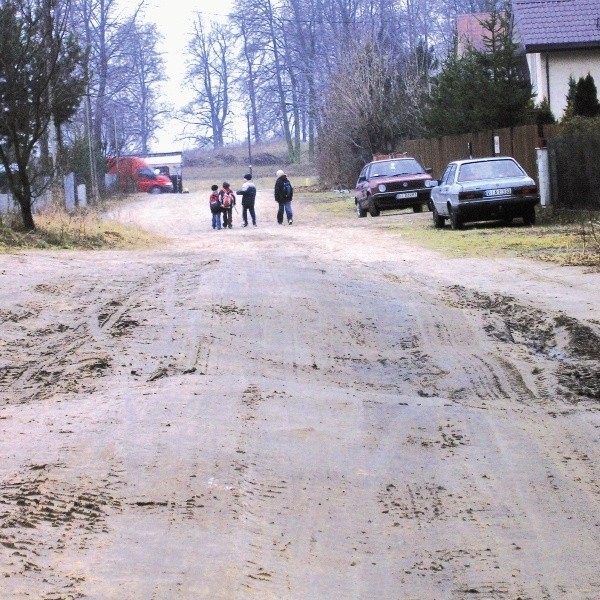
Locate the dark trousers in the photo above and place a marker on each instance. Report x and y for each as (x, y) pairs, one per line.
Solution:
(228, 217)
(248, 209)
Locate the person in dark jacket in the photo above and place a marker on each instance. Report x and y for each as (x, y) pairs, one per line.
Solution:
(284, 193)
(248, 194)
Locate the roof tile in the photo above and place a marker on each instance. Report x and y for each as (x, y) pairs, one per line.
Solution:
(544, 24)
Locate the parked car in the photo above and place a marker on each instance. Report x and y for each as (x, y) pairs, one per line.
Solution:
(483, 189)
(392, 184)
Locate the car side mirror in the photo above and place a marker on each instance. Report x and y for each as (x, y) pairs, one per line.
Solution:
(361, 179)
(429, 170)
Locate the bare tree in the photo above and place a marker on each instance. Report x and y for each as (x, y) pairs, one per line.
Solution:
(208, 69)
(256, 88)
(264, 30)
(372, 106)
(252, 58)
(137, 107)
(109, 29)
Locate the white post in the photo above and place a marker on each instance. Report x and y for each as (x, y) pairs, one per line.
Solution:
(543, 175)
(81, 195)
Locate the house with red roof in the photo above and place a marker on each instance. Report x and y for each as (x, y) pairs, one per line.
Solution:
(559, 39)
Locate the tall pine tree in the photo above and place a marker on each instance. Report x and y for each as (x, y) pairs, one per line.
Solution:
(585, 101)
(483, 89)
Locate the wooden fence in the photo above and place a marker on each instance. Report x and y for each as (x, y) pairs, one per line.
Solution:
(519, 142)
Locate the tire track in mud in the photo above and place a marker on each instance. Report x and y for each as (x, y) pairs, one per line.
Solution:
(375, 353)
(43, 360)
(204, 334)
(499, 374)
(55, 350)
(462, 502)
(431, 509)
(263, 501)
(467, 369)
(128, 325)
(529, 354)
(41, 517)
(508, 351)
(60, 346)
(372, 434)
(382, 356)
(260, 501)
(570, 349)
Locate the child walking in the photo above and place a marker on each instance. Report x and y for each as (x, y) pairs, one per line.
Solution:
(215, 207)
(227, 198)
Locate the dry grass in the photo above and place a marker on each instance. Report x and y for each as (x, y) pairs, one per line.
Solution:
(82, 229)
(586, 249)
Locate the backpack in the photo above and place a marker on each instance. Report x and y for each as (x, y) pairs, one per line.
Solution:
(214, 202)
(287, 190)
(227, 199)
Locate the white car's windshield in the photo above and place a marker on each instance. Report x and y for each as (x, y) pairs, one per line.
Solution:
(490, 169)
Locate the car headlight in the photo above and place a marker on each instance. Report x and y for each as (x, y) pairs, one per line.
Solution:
(381, 187)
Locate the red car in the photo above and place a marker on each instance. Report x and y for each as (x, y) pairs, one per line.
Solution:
(392, 184)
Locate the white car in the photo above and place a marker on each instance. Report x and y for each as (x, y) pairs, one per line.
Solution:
(483, 189)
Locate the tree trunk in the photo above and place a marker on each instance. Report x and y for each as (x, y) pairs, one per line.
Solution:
(279, 79)
(251, 85)
(22, 192)
(296, 116)
(27, 216)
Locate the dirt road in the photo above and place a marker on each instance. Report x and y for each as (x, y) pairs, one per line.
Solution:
(318, 411)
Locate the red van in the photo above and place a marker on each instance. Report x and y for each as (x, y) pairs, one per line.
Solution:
(135, 174)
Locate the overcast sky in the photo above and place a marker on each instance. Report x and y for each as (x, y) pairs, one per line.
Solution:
(174, 19)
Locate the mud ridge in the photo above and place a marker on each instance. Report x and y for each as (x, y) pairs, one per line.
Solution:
(572, 347)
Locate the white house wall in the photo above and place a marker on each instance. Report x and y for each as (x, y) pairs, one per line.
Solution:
(561, 66)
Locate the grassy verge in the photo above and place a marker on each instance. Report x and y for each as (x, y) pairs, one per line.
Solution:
(565, 238)
(83, 230)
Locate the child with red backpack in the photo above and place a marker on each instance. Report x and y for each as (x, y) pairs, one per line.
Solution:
(215, 207)
(227, 198)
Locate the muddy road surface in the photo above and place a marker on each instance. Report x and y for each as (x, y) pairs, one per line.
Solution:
(310, 412)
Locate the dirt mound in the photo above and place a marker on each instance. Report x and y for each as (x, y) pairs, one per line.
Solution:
(266, 158)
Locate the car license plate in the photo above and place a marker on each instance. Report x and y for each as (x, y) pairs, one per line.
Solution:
(406, 195)
(498, 192)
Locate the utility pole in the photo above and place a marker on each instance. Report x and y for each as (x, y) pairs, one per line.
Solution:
(249, 143)
(91, 148)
